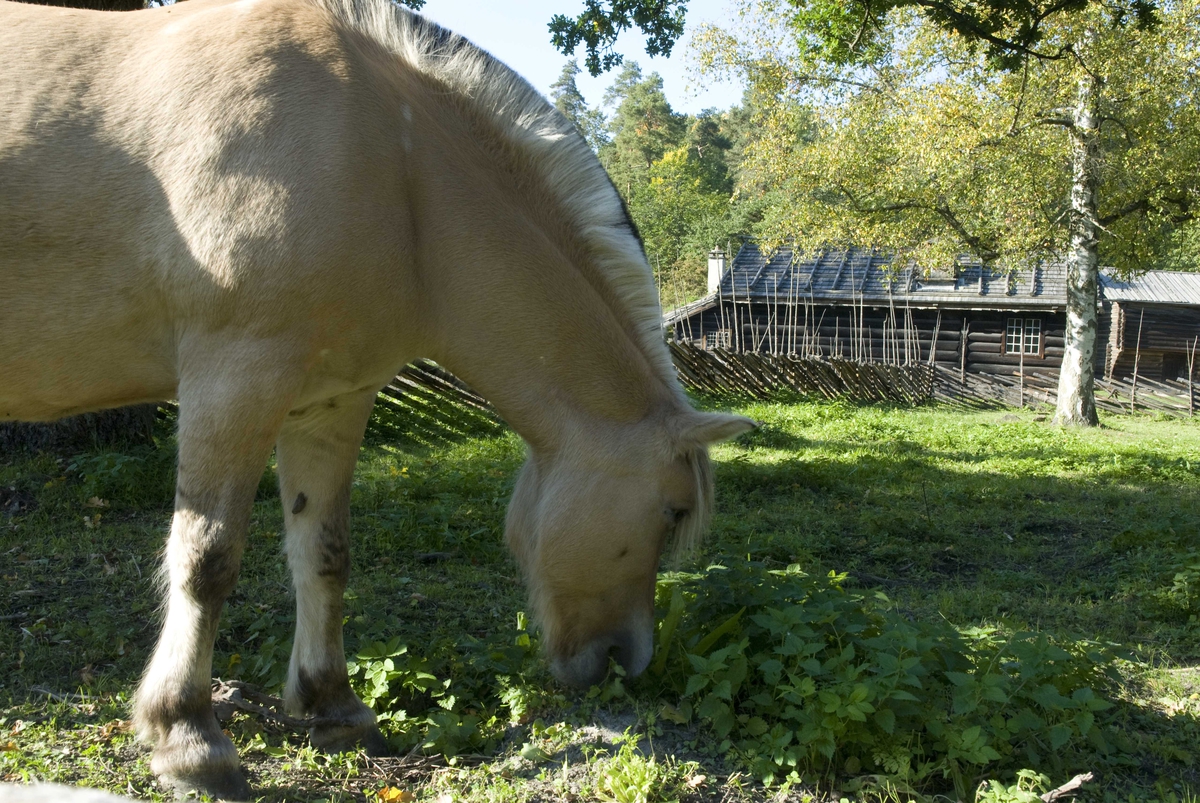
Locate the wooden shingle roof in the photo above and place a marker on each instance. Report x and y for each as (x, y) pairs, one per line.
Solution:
(1154, 287)
(869, 276)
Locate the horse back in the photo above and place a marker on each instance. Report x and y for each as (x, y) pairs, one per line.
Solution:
(211, 171)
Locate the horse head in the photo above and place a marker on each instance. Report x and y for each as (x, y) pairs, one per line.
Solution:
(589, 524)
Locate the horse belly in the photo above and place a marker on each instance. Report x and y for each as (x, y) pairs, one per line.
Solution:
(77, 345)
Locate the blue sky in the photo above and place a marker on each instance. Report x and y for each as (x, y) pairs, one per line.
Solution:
(515, 32)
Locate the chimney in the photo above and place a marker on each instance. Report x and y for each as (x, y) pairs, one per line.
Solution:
(716, 269)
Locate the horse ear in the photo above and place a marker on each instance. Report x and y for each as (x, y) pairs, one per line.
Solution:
(705, 428)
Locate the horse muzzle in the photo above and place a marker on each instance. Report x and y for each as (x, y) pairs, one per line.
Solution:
(631, 648)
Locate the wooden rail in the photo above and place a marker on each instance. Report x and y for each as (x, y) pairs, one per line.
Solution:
(765, 376)
(435, 404)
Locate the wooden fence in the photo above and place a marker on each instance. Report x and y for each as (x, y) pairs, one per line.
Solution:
(426, 404)
(432, 405)
(765, 376)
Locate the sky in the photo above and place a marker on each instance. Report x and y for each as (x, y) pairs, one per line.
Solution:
(515, 32)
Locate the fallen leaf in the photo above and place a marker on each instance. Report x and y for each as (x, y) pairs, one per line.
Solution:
(111, 729)
(390, 794)
(8, 747)
(696, 781)
(96, 501)
(672, 713)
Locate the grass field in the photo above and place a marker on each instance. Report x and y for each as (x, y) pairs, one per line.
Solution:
(893, 604)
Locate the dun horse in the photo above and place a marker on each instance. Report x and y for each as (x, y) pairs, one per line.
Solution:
(263, 209)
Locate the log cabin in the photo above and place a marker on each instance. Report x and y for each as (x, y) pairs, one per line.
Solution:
(858, 304)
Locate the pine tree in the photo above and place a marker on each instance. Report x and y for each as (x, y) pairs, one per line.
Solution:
(589, 122)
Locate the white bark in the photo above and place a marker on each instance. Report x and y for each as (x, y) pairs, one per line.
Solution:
(1076, 379)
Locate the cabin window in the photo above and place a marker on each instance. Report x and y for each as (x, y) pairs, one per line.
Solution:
(1023, 336)
(717, 340)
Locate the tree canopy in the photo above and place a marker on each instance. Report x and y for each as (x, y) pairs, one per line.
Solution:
(1064, 131)
(600, 23)
(1009, 31)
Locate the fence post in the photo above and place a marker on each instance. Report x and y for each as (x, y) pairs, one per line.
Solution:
(1137, 354)
(1021, 405)
(1192, 378)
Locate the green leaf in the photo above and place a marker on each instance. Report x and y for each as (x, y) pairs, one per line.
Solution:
(1059, 735)
(666, 632)
(1048, 697)
(531, 752)
(771, 670)
(756, 726)
(886, 719)
(720, 630)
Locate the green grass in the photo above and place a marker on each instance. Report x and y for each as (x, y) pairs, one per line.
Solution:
(965, 521)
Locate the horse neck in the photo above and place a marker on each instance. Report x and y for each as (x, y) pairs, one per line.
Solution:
(545, 351)
(515, 301)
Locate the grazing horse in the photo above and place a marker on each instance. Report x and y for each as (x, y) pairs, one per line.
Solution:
(263, 208)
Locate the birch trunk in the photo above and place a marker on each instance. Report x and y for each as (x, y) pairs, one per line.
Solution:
(1076, 379)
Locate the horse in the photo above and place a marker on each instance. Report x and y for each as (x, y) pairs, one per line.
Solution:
(262, 209)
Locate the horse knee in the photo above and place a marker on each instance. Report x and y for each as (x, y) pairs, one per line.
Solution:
(323, 693)
(207, 574)
(157, 710)
(333, 553)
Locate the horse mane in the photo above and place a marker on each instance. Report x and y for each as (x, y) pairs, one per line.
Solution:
(533, 125)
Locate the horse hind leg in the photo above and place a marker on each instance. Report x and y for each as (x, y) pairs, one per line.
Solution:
(316, 452)
(224, 440)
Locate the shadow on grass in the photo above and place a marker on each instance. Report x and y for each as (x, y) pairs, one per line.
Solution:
(1026, 535)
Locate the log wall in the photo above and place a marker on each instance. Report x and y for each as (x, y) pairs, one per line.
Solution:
(969, 341)
(1157, 339)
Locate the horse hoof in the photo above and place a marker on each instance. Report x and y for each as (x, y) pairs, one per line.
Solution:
(226, 785)
(341, 740)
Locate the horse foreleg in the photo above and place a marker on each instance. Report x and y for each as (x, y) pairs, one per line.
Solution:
(223, 446)
(316, 452)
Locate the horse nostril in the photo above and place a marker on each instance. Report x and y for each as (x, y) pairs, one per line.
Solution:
(621, 652)
(631, 652)
(586, 668)
(631, 649)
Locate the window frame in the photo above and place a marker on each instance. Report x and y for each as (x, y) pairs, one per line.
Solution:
(1022, 325)
(720, 339)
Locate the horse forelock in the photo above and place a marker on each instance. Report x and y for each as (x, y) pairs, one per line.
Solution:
(532, 124)
(690, 531)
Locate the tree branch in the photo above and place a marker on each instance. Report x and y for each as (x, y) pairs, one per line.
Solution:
(968, 26)
(975, 243)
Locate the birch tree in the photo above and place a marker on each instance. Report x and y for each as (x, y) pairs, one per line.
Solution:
(1076, 139)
